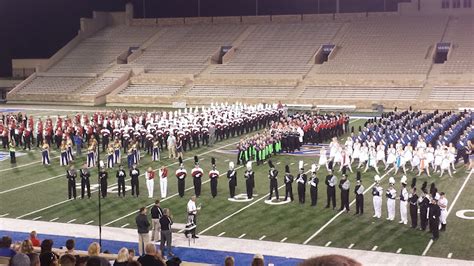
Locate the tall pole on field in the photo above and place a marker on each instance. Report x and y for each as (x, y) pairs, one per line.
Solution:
(100, 191)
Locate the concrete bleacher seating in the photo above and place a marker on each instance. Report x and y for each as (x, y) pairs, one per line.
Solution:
(185, 49)
(361, 93)
(459, 33)
(99, 52)
(98, 85)
(386, 45)
(452, 93)
(239, 91)
(150, 90)
(54, 85)
(279, 49)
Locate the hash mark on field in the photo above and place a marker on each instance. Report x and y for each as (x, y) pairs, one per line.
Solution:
(242, 235)
(261, 238)
(350, 246)
(221, 234)
(125, 225)
(278, 162)
(71, 221)
(306, 164)
(54, 219)
(292, 163)
(374, 248)
(3, 215)
(226, 160)
(328, 244)
(450, 255)
(89, 222)
(399, 250)
(283, 240)
(36, 218)
(180, 231)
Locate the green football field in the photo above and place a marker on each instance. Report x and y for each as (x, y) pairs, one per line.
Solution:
(32, 191)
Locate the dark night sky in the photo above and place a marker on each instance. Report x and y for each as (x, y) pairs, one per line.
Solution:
(38, 28)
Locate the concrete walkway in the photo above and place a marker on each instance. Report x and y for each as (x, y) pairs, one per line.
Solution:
(227, 244)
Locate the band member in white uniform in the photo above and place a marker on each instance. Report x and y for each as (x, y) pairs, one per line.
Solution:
(443, 205)
(163, 175)
(371, 161)
(445, 163)
(364, 155)
(391, 157)
(192, 221)
(150, 181)
(403, 201)
(438, 159)
(356, 151)
(380, 156)
(377, 192)
(346, 160)
(323, 158)
(391, 194)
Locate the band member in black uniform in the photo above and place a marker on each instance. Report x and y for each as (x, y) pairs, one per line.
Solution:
(434, 213)
(213, 176)
(181, 176)
(273, 176)
(413, 200)
(134, 174)
(424, 202)
(71, 175)
(331, 182)
(313, 190)
(232, 177)
(121, 181)
(197, 174)
(344, 185)
(103, 175)
(359, 193)
(249, 180)
(301, 179)
(85, 181)
(288, 183)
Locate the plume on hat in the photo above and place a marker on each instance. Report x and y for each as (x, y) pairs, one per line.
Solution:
(413, 182)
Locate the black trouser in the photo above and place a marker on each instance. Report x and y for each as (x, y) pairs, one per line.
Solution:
(414, 215)
(345, 199)
(331, 197)
(359, 203)
(165, 238)
(181, 187)
(12, 157)
(196, 142)
(434, 227)
(313, 192)
(232, 189)
(214, 187)
(105, 143)
(85, 184)
(103, 188)
(273, 187)
(288, 191)
(135, 186)
(423, 219)
(249, 186)
(197, 186)
(301, 193)
(121, 185)
(71, 188)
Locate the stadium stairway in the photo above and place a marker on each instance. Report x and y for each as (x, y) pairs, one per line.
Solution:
(208, 249)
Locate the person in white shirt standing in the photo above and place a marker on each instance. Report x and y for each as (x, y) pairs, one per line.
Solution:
(163, 174)
(377, 191)
(150, 181)
(192, 213)
(443, 205)
(403, 201)
(391, 194)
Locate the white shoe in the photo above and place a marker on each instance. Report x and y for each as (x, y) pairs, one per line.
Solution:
(400, 222)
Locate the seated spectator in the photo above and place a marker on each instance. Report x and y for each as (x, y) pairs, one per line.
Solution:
(134, 263)
(131, 254)
(70, 245)
(258, 260)
(26, 247)
(67, 260)
(47, 256)
(5, 247)
(229, 261)
(122, 257)
(34, 239)
(330, 260)
(20, 259)
(93, 252)
(152, 257)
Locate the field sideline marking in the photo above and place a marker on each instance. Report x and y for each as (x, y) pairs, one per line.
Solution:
(125, 225)
(54, 219)
(89, 222)
(239, 210)
(71, 221)
(375, 248)
(263, 237)
(283, 240)
(340, 212)
(450, 255)
(93, 191)
(36, 218)
(3, 215)
(328, 244)
(350, 246)
(450, 209)
(242, 235)
(221, 234)
(399, 250)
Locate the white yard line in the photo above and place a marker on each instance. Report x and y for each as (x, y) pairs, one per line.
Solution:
(283, 240)
(450, 209)
(54, 219)
(350, 246)
(89, 222)
(242, 235)
(36, 218)
(125, 225)
(28, 164)
(32, 184)
(263, 237)
(71, 221)
(3, 215)
(375, 248)
(337, 215)
(328, 244)
(221, 234)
